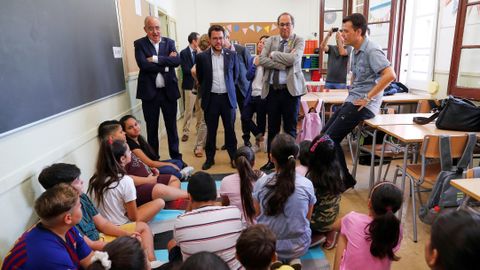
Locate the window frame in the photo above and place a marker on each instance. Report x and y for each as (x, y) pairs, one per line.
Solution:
(453, 89)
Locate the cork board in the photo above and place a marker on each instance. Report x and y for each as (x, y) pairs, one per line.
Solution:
(249, 32)
(132, 27)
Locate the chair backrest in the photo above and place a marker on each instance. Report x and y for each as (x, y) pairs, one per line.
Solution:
(431, 149)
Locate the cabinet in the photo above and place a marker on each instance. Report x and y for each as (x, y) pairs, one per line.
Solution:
(310, 67)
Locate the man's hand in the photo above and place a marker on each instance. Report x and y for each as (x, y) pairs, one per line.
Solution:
(150, 59)
(362, 102)
(256, 61)
(173, 54)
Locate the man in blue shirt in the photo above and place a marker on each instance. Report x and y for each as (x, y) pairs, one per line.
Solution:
(53, 243)
(372, 73)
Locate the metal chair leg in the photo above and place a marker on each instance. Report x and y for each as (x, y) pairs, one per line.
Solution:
(414, 208)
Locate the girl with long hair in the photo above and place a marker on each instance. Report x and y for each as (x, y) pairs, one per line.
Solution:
(284, 202)
(370, 241)
(325, 173)
(149, 183)
(236, 189)
(114, 191)
(147, 155)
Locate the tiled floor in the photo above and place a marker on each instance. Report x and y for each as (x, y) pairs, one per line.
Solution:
(411, 254)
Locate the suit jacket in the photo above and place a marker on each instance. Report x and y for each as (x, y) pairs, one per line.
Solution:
(146, 88)
(187, 64)
(205, 75)
(291, 62)
(243, 56)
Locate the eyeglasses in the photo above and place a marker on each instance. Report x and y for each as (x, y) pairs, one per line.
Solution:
(153, 28)
(285, 24)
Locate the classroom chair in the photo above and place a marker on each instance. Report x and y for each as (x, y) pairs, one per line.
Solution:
(422, 176)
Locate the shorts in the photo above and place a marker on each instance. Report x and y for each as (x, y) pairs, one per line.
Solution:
(144, 192)
(129, 227)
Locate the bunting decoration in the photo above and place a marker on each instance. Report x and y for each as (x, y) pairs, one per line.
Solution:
(244, 30)
(229, 27)
(267, 28)
(252, 27)
(259, 28)
(236, 28)
(274, 26)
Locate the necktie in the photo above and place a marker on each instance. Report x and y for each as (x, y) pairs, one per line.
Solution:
(276, 73)
(194, 54)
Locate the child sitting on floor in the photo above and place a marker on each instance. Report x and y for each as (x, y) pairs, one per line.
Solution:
(454, 242)
(326, 176)
(303, 157)
(53, 243)
(96, 230)
(114, 192)
(236, 189)
(370, 241)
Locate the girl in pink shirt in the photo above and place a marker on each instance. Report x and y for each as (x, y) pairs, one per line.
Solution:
(236, 189)
(370, 241)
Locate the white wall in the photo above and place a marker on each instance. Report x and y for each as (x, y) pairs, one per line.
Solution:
(196, 15)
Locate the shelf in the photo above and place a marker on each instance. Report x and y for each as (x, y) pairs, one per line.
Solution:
(309, 55)
(308, 69)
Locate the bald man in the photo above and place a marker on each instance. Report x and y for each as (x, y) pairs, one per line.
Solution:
(157, 59)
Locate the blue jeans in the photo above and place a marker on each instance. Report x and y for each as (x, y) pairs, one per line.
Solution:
(171, 170)
(330, 85)
(342, 122)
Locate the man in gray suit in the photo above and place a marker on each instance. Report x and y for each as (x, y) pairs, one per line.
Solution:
(283, 81)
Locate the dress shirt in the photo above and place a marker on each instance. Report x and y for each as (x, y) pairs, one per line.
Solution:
(218, 78)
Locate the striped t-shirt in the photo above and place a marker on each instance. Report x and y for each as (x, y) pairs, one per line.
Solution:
(211, 228)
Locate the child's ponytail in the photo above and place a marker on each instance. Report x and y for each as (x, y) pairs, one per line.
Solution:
(384, 230)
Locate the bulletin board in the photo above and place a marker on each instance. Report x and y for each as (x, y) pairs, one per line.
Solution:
(249, 32)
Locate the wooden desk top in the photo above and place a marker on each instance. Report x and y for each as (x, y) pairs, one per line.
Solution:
(394, 119)
(338, 96)
(470, 186)
(415, 133)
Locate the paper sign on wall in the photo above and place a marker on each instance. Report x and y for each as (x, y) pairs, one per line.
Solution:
(117, 52)
(138, 7)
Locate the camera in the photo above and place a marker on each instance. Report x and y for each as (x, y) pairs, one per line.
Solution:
(334, 29)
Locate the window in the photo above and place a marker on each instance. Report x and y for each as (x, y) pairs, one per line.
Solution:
(464, 80)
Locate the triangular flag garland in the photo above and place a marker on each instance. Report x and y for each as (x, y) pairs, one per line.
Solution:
(274, 26)
(229, 27)
(267, 28)
(252, 27)
(236, 28)
(259, 28)
(244, 30)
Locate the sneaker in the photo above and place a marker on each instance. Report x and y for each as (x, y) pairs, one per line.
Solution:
(156, 264)
(296, 264)
(186, 172)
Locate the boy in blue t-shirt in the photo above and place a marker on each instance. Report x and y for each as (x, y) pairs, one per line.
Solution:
(54, 242)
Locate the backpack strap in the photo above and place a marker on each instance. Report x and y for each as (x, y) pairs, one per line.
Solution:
(445, 154)
(468, 152)
(319, 105)
(304, 104)
(424, 120)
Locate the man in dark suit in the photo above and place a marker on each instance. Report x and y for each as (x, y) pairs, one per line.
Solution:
(157, 58)
(187, 57)
(217, 71)
(242, 84)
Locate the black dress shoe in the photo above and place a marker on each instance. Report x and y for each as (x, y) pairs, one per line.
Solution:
(207, 165)
(224, 147)
(268, 167)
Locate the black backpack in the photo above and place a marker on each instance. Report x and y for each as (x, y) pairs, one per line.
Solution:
(445, 197)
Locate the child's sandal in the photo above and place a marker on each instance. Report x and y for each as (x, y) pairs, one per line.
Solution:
(331, 244)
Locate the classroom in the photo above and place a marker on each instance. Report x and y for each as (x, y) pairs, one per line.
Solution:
(79, 67)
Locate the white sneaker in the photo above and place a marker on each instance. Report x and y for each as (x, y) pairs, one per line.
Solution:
(187, 172)
(156, 264)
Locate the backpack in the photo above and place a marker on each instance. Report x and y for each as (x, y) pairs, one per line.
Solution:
(311, 122)
(445, 197)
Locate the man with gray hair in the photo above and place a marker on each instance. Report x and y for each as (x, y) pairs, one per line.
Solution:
(283, 81)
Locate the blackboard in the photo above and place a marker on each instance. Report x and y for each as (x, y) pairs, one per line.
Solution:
(54, 56)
